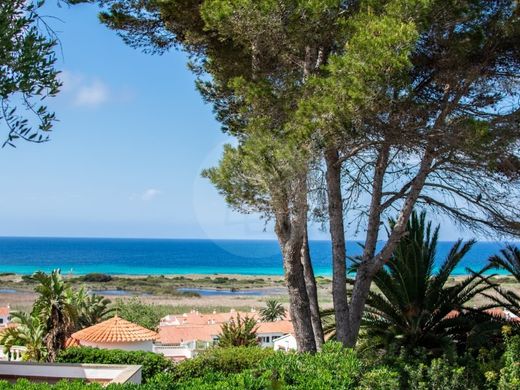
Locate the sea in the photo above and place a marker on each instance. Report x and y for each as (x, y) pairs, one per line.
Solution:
(24, 255)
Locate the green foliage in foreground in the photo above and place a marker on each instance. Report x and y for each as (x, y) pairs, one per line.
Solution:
(333, 368)
(152, 363)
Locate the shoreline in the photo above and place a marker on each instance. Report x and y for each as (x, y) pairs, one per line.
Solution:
(190, 274)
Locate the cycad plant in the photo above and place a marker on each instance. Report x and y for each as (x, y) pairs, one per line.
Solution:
(273, 311)
(29, 332)
(508, 260)
(239, 332)
(413, 305)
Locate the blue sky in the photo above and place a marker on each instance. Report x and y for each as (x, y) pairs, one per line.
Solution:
(126, 156)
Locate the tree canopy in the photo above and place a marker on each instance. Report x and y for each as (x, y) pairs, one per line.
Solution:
(27, 71)
(351, 111)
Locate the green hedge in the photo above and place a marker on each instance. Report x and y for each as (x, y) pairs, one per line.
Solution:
(222, 361)
(152, 363)
(242, 368)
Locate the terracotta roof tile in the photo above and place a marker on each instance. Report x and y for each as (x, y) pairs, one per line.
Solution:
(177, 334)
(115, 330)
(180, 334)
(71, 342)
(4, 311)
(282, 326)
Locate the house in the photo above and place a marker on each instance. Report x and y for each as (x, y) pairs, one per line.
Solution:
(5, 315)
(115, 333)
(285, 343)
(183, 336)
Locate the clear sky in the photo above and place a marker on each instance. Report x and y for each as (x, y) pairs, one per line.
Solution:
(126, 155)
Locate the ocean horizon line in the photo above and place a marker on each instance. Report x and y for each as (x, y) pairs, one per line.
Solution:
(504, 242)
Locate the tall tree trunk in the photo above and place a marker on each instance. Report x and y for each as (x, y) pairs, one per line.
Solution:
(312, 291)
(337, 233)
(364, 273)
(291, 218)
(373, 262)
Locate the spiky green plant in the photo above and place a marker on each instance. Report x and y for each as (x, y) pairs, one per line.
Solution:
(92, 308)
(273, 311)
(29, 332)
(413, 304)
(238, 332)
(57, 311)
(508, 260)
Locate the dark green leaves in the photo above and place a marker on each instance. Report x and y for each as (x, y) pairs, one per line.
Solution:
(27, 72)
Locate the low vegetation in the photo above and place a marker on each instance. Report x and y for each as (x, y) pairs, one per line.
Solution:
(253, 368)
(151, 285)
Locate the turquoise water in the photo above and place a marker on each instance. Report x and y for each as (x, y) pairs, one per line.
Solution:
(156, 257)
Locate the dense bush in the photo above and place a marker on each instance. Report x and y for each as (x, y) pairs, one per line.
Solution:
(95, 277)
(510, 374)
(152, 363)
(262, 369)
(222, 361)
(140, 313)
(24, 384)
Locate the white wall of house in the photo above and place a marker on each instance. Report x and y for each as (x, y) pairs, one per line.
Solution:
(137, 346)
(267, 339)
(5, 319)
(285, 343)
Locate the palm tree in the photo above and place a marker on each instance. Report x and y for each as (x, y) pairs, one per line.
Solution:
(28, 332)
(273, 311)
(92, 308)
(239, 332)
(56, 310)
(414, 306)
(509, 261)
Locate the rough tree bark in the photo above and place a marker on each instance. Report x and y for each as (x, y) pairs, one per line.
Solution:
(312, 291)
(290, 221)
(337, 232)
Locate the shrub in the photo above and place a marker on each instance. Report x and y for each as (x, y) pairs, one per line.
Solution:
(381, 378)
(333, 368)
(24, 384)
(152, 363)
(222, 361)
(139, 313)
(95, 277)
(510, 374)
(439, 375)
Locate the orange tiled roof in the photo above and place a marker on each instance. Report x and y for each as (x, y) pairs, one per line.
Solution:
(115, 330)
(5, 310)
(71, 342)
(196, 318)
(181, 334)
(177, 334)
(282, 326)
